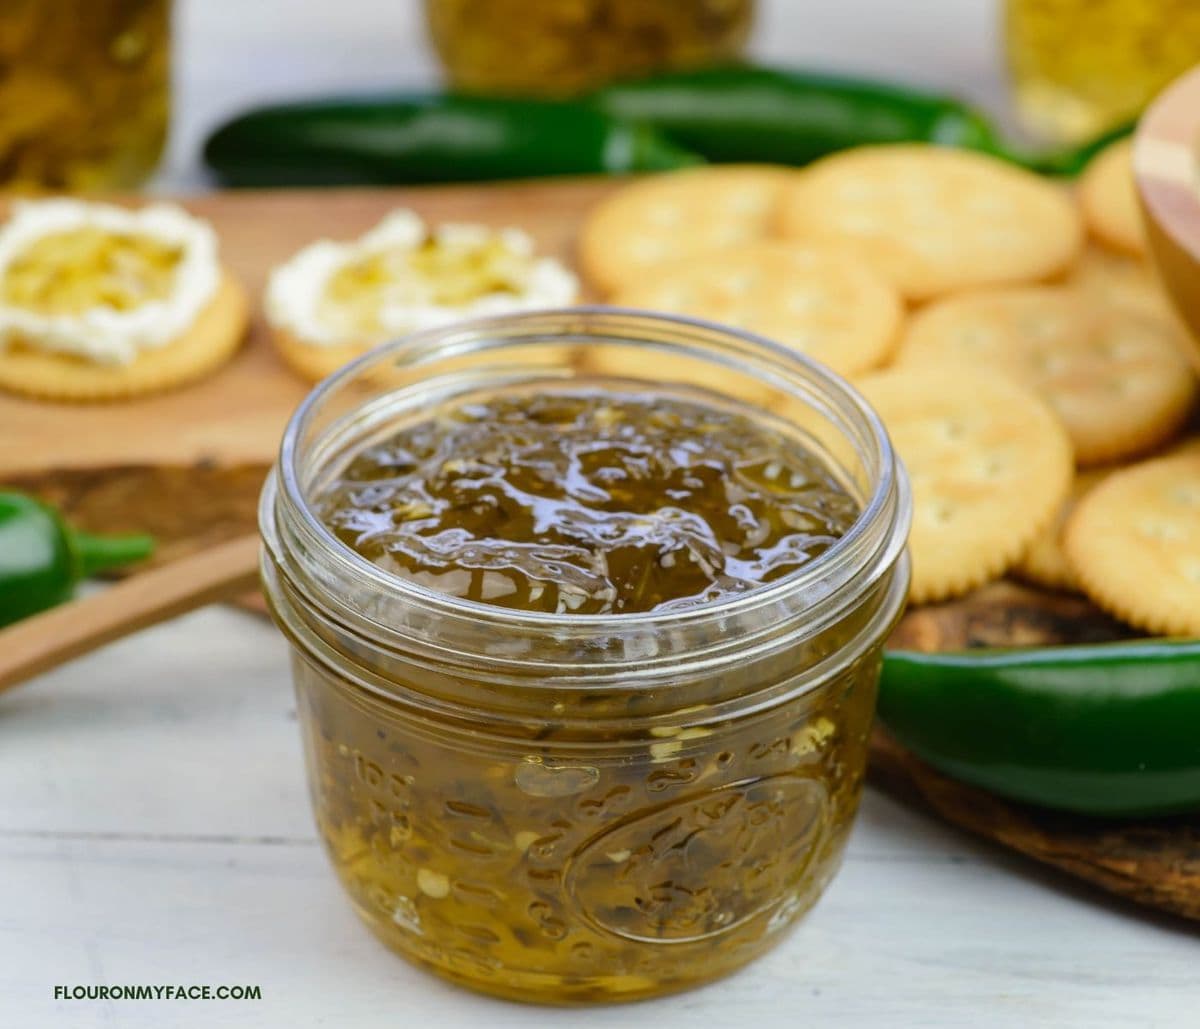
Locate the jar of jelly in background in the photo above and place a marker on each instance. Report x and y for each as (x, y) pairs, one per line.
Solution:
(84, 92)
(1080, 67)
(561, 47)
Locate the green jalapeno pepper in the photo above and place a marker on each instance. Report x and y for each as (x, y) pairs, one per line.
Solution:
(42, 558)
(430, 139)
(747, 113)
(738, 113)
(1108, 729)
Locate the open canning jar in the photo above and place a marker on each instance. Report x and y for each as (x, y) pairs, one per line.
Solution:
(581, 807)
(566, 47)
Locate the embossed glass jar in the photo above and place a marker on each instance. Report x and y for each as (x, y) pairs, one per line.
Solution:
(573, 808)
(567, 47)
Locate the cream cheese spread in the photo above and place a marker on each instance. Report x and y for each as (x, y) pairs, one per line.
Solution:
(105, 333)
(402, 276)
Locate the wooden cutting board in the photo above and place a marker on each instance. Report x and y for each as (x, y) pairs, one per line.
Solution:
(238, 415)
(187, 466)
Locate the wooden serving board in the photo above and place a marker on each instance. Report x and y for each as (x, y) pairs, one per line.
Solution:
(238, 415)
(187, 466)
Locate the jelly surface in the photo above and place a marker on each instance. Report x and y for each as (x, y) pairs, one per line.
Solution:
(588, 502)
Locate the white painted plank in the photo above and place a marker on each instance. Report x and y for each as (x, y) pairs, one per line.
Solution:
(952, 941)
(184, 729)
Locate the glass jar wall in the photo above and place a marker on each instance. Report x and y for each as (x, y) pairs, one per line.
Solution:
(561, 47)
(1080, 67)
(573, 808)
(84, 92)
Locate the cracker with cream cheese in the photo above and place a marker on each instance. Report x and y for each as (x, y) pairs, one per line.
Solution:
(99, 302)
(333, 301)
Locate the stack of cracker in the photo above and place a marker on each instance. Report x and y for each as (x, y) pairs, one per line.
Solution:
(1009, 332)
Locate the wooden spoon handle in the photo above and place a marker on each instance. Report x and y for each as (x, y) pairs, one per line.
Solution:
(37, 644)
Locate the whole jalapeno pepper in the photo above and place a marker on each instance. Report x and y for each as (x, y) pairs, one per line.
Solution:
(42, 558)
(1108, 729)
(738, 113)
(748, 113)
(430, 139)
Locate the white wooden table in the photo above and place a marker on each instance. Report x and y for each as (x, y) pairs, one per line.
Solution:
(154, 823)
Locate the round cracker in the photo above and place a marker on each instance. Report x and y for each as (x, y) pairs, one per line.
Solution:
(823, 303)
(316, 361)
(1045, 563)
(935, 220)
(1118, 379)
(654, 368)
(211, 341)
(989, 465)
(1108, 196)
(1134, 545)
(663, 218)
(1120, 279)
(312, 361)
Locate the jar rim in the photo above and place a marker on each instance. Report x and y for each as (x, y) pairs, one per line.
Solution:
(583, 321)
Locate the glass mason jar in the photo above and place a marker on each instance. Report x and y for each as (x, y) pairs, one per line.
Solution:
(1080, 67)
(573, 808)
(84, 92)
(562, 47)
